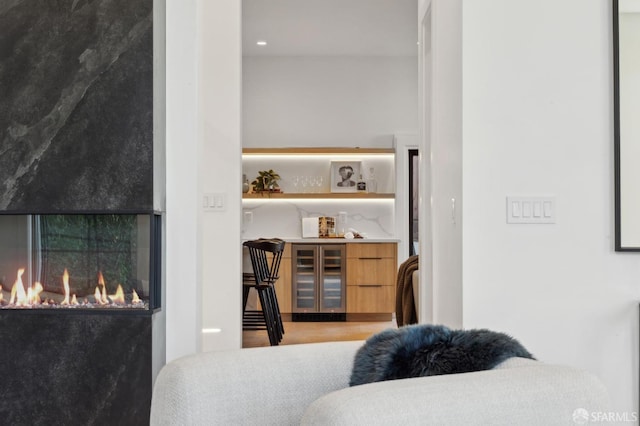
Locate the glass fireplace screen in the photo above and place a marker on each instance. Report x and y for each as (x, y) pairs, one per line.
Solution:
(80, 261)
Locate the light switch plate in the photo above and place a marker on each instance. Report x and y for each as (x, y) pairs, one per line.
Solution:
(531, 210)
(214, 202)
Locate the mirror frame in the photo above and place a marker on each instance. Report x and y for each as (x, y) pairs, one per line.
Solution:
(616, 126)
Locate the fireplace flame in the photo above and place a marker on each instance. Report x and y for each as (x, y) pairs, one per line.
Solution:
(14, 290)
(101, 298)
(18, 295)
(98, 297)
(65, 284)
(118, 298)
(35, 295)
(21, 298)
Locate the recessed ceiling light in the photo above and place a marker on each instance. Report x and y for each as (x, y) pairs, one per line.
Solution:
(261, 43)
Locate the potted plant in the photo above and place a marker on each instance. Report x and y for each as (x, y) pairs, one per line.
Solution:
(266, 181)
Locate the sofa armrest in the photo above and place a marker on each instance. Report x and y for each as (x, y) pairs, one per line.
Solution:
(520, 392)
(269, 385)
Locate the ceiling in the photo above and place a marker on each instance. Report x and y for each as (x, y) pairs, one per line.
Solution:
(330, 27)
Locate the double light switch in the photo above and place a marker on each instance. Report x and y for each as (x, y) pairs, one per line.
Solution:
(214, 202)
(531, 210)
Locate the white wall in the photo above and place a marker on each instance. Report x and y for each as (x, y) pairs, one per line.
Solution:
(220, 167)
(183, 313)
(328, 101)
(537, 108)
(203, 255)
(442, 160)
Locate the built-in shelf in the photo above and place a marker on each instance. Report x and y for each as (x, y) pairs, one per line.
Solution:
(319, 151)
(317, 161)
(318, 195)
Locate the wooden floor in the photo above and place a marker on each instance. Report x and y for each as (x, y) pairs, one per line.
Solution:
(312, 332)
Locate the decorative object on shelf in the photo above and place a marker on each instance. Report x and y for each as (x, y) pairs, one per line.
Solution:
(372, 183)
(361, 185)
(343, 176)
(341, 224)
(310, 227)
(326, 227)
(266, 181)
(352, 233)
(245, 184)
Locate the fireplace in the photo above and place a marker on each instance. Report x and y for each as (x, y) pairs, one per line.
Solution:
(82, 189)
(80, 300)
(80, 262)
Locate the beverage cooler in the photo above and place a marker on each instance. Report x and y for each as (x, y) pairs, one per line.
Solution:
(318, 280)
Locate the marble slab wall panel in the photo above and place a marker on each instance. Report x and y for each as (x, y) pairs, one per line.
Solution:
(75, 368)
(76, 105)
(283, 218)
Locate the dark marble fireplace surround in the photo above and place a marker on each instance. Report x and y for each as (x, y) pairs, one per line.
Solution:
(77, 136)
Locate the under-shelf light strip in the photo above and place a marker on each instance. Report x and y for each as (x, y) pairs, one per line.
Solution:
(319, 200)
(297, 157)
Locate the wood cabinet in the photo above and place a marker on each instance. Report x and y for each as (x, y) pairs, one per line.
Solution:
(370, 270)
(371, 275)
(283, 285)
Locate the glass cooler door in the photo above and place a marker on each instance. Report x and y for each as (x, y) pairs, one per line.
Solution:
(332, 279)
(305, 261)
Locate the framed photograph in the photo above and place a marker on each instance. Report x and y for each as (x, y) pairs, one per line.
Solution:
(344, 176)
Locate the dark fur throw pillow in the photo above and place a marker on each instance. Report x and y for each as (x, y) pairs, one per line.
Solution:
(430, 350)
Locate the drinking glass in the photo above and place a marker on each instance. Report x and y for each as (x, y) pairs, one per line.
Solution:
(295, 181)
(313, 181)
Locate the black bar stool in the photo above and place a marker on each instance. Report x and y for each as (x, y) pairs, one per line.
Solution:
(265, 255)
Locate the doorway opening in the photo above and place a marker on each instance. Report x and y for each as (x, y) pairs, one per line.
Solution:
(414, 205)
(304, 89)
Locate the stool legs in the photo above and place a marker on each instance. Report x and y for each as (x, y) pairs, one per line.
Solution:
(268, 318)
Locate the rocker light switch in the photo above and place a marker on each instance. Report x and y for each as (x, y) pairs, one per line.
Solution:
(214, 202)
(515, 209)
(531, 210)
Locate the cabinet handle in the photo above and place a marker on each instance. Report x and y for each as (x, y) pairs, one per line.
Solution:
(369, 285)
(370, 258)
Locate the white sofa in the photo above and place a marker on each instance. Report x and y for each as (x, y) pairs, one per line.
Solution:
(308, 384)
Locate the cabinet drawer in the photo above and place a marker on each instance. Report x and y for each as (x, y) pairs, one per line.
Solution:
(371, 271)
(371, 250)
(365, 299)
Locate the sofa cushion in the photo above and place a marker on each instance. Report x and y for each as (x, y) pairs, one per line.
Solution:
(268, 386)
(519, 392)
(430, 350)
